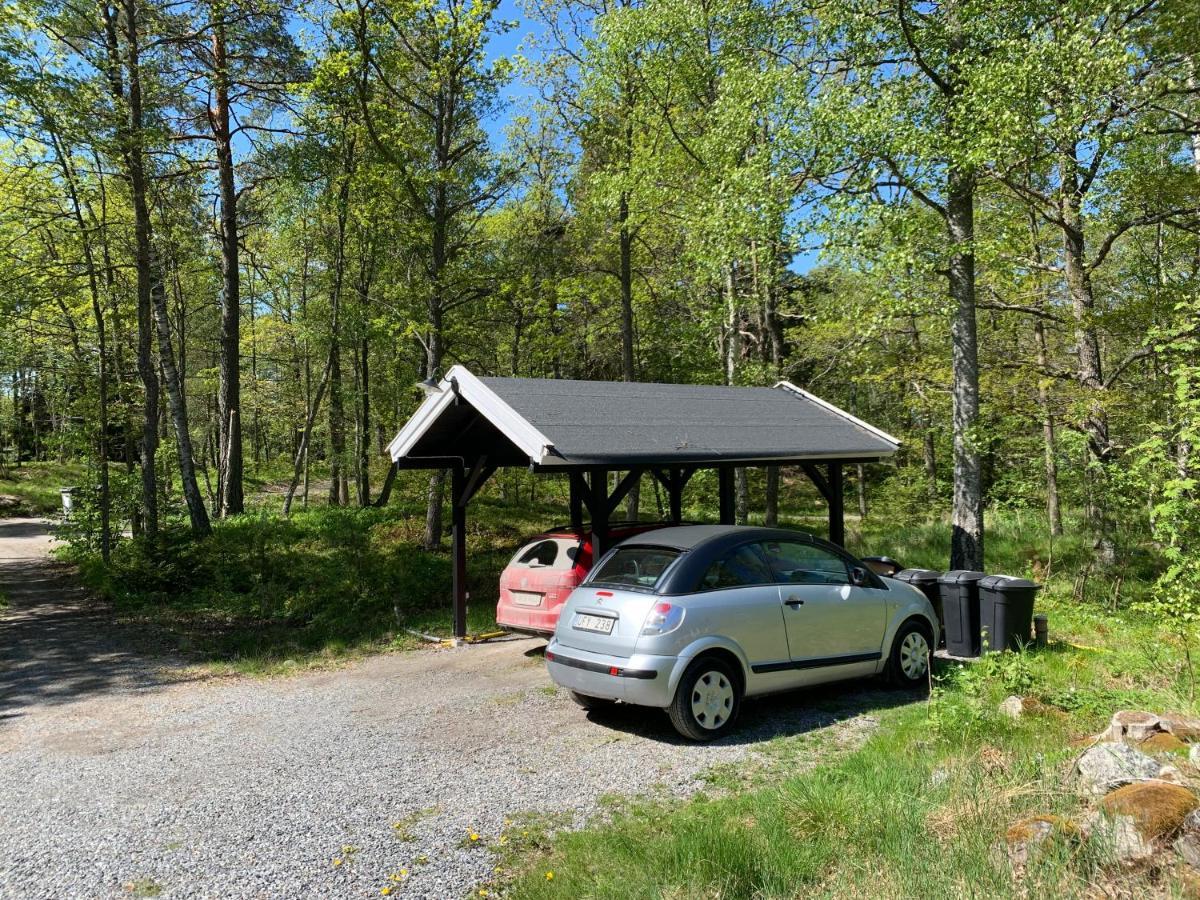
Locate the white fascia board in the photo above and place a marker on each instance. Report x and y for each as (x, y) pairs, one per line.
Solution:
(486, 402)
(825, 404)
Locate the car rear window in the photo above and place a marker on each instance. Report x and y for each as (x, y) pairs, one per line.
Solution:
(552, 553)
(637, 567)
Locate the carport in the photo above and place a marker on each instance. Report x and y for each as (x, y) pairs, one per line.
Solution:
(589, 429)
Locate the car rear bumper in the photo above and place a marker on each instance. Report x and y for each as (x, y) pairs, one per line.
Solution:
(533, 619)
(639, 679)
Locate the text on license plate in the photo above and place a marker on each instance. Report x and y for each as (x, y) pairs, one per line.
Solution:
(602, 624)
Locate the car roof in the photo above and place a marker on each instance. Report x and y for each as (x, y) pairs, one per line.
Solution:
(689, 537)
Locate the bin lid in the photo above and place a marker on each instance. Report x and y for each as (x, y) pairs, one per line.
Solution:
(960, 576)
(918, 575)
(1008, 583)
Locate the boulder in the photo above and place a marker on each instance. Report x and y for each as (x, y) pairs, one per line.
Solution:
(1023, 838)
(1106, 767)
(1186, 728)
(1187, 844)
(1133, 725)
(1122, 835)
(1157, 808)
(1163, 742)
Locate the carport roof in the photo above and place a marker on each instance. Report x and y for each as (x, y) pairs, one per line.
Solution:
(560, 424)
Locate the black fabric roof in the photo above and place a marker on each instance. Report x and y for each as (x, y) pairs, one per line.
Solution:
(606, 423)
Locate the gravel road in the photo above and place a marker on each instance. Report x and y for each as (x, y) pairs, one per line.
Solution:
(119, 778)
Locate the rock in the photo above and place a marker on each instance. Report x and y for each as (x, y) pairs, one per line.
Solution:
(1108, 766)
(1171, 774)
(1133, 725)
(1157, 808)
(1013, 707)
(1186, 728)
(1194, 755)
(1025, 836)
(1187, 845)
(9, 503)
(1162, 742)
(1121, 832)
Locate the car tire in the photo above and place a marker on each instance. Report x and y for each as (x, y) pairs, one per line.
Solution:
(910, 658)
(707, 701)
(590, 703)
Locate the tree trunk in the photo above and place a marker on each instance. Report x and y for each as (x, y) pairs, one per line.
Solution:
(966, 547)
(229, 408)
(771, 507)
(1087, 350)
(861, 489)
(131, 137)
(364, 445)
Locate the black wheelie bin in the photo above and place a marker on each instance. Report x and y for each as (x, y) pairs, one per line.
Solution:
(960, 606)
(1006, 611)
(926, 581)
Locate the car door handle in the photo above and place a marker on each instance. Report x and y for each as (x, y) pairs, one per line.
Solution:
(793, 601)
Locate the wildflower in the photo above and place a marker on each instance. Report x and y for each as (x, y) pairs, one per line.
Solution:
(483, 892)
(503, 839)
(473, 836)
(549, 876)
(386, 890)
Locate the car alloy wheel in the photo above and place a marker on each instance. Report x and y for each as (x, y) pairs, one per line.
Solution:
(712, 700)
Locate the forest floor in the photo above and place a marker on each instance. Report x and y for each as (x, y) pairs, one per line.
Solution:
(126, 773)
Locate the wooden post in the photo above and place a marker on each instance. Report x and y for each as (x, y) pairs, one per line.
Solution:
(676, 494)
(837, 518)
(458, 548)
(599, 510)
(725, 493)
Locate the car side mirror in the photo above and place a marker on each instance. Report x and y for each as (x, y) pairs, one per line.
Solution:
(858, 576)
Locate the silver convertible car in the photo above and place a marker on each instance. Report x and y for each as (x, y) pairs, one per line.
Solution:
(692, 619)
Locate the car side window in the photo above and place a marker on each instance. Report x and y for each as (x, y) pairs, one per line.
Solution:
(741, 567)
(794, 562)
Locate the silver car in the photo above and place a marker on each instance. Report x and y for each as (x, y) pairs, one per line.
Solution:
(694, 618)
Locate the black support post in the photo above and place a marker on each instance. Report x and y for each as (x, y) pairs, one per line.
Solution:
(598, 505)
(725, 494)
(458, 547)
(837, 516)
(675, 491)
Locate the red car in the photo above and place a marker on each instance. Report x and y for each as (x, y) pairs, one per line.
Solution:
(538, 580)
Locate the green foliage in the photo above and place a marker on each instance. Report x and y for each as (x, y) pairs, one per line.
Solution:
(264, 593)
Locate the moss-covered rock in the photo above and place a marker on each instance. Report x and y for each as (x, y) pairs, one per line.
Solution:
(1157, 808)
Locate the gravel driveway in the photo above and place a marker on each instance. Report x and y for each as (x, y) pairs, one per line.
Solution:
(119, 779)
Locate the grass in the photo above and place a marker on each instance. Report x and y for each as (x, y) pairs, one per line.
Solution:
(920, 810)
(35, 485)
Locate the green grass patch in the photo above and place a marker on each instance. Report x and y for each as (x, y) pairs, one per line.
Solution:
(35, 487)
(920, 810)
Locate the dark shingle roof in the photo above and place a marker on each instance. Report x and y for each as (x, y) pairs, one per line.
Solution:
(596, 422)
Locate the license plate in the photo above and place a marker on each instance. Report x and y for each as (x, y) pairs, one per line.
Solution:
(599, 624)
(526, 598)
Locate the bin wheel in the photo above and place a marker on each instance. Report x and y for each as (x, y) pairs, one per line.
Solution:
(908, 663)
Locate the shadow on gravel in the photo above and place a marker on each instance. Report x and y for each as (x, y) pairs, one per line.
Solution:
(22, 529)
(764, 718)
(58, 646)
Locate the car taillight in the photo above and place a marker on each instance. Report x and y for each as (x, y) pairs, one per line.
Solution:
(662, 618)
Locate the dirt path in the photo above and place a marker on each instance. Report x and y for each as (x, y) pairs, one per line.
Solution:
(56, 646)
(118, 781)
